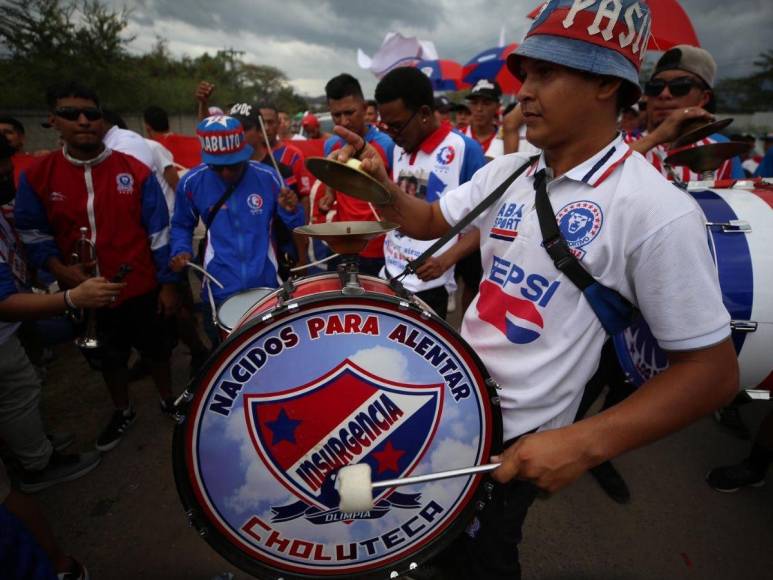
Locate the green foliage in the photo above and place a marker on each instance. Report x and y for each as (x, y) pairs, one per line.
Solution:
(47, 41)
(748, 94)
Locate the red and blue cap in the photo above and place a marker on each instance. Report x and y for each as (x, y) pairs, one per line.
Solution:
(222, 141)
(603, 37)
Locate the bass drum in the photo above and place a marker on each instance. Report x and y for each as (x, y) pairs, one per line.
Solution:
(739, 226)
(314, 377)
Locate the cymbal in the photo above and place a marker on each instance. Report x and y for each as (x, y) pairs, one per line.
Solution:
(348, 178)
(694, 132)
(346, 237)
(707, 157)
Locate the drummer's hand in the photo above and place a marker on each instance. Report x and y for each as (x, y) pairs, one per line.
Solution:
(288, 200)
(550, 459)
(372, 163)
(673, 126)
(179, 261)
(327, 200)
(434, 267)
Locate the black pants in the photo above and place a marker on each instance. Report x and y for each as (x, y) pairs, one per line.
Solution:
(437, 299)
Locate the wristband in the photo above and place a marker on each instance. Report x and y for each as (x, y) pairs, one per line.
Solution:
(68, 301)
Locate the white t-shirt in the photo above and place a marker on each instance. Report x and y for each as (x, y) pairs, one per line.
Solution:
(495, 146)
(162, 158)
(444, 160)
(130, 143)
(631, 229)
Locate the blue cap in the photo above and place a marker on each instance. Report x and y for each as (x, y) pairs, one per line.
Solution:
(222, 141)
(599, 37)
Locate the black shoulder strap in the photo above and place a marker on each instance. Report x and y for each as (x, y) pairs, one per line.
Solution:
(613, 310)
(212, 214)
(552, 240)
(413, 265)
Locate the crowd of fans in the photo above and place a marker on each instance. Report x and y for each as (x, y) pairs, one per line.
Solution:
(150, 206)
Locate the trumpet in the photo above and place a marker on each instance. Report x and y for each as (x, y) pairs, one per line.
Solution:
(85, 252)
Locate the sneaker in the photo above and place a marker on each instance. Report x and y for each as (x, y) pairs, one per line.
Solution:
(118, 425)
(731, 478)
(611, 482)
(730, 418)
(60, 440)
(77, 571)
(61, 467)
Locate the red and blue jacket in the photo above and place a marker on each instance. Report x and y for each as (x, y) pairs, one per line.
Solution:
(114, 196)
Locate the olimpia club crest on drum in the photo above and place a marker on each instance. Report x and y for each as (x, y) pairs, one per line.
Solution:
(289, 400)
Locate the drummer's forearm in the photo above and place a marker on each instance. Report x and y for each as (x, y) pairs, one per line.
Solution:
(466, 245)
(416, 218)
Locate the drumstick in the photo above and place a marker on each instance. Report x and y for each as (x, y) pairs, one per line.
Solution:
(205, 273)
(270, 152)
(355, 486)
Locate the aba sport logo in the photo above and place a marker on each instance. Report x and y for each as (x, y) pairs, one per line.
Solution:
(305, 434)
(505, 226)
(446, 155)
(511, 301)
(255, 201)
(580, 222)
(124, 183)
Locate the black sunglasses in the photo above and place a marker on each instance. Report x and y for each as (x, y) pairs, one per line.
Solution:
(678, 87)
(221, 168)
(74, 113)
(395, 132)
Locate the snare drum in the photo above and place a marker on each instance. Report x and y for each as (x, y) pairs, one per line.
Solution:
(233, 309)
(739, 224)
(315, 377)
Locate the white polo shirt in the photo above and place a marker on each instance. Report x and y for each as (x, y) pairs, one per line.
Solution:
(162, 158)
(630, 228)
(493, 147)
(445, 160)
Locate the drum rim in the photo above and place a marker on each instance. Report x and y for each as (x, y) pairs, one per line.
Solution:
(225, 547)
(222, 324)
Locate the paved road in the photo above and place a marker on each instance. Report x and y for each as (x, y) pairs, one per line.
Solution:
(125, 521)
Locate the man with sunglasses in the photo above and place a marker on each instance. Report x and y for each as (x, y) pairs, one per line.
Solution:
(534, 329)
(118, 201)
(237, 199)
(679, 92)
(429, 159)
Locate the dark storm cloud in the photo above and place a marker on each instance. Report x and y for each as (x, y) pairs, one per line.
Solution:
(318, 39)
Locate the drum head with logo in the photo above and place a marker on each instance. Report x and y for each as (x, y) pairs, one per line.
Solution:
(321, 383)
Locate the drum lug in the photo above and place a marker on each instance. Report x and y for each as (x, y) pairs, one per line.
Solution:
(731, 227)
(743, 326)
(404, 305)
(495, 401)
(266, 317)
(491, 383)
(292, 307)
(426, 314)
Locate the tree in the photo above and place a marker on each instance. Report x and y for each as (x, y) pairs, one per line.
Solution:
(45, 41)
(748, 94)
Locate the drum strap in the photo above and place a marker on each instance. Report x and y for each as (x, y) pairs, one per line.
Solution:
(612, 309)
(414, 265)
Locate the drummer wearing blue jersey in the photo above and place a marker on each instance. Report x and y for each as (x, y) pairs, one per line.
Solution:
(237, 199)
(537, 333)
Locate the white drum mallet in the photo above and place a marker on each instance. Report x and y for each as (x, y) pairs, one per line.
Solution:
(355, 486)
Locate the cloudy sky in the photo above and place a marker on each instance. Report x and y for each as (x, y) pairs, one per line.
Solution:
(312, 41)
